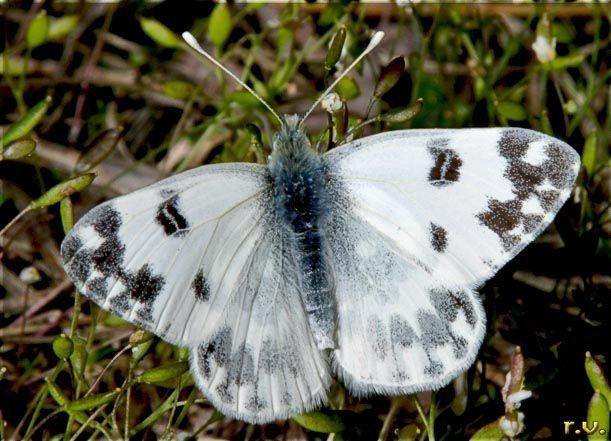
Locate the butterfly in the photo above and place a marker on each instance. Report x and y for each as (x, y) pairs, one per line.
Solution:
(360, 263)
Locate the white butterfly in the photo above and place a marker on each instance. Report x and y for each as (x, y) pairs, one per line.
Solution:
(359, 263)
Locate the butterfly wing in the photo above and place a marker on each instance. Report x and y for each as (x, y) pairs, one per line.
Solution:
(198, 259)
(419, 219)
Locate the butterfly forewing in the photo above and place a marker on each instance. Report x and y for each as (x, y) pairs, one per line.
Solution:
(419, 219)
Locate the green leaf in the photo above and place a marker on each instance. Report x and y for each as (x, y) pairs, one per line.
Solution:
(160, 33)
(60, 28)
(79, 356)
(67, 214)
(164, 373)
(562, 63)
(319, 421)
(219, 27)
(588, 157)
(598, 418)
(490, 432)
(512, 111)
(38, 30)
(91, 402)
(596, 377)
(403, 115)
(347, 89)
(21, 128)
(389, 76)
(18, 149)
(62, 190)
(335, 49)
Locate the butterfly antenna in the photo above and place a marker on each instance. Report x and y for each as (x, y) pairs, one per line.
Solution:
(191, 41)
(375, 40)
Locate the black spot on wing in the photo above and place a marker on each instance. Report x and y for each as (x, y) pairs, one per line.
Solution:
(217, 349)
(144, 286)
(108, 257)
(80, 266)
(70, 246)
(506, 218)
(401, 333)
(106, 221)
(433, 334)
(439, 238)
(242, 366)
(446, 164)
(449, 303)
(97, 289)
(200, 287)
(170, 217)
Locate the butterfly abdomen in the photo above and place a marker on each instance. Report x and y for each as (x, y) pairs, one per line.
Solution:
(300, 200)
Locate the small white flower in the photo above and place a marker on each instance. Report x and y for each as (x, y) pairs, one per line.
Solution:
(544, 48)
(515, 398)
(331, 102)
(29, 275)
(511, 427)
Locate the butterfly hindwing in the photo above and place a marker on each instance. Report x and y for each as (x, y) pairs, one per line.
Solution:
(419, 219)
(262, 363)
(199, 260)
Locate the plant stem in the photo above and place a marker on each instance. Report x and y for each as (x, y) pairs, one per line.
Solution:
(395, 404)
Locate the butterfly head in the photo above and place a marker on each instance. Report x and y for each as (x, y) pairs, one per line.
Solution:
(291, 137)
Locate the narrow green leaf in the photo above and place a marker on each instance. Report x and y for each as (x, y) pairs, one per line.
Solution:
(512, 111)
(67, 214)
(389, 76)
(57, 393)
(60, 28)
(588, 157)
(347, 89)
(156, 414)
(21, 128)
(562, 63)
(402, 115)
(598, 418)
(60, 191)
(319, 421)
(164, 373)
(219, 26)
(78, 359)
(596, 377)
(38, 30)
(91, 402)
(140, 350)
(335, 49)
(19, 149)
(160, 33)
